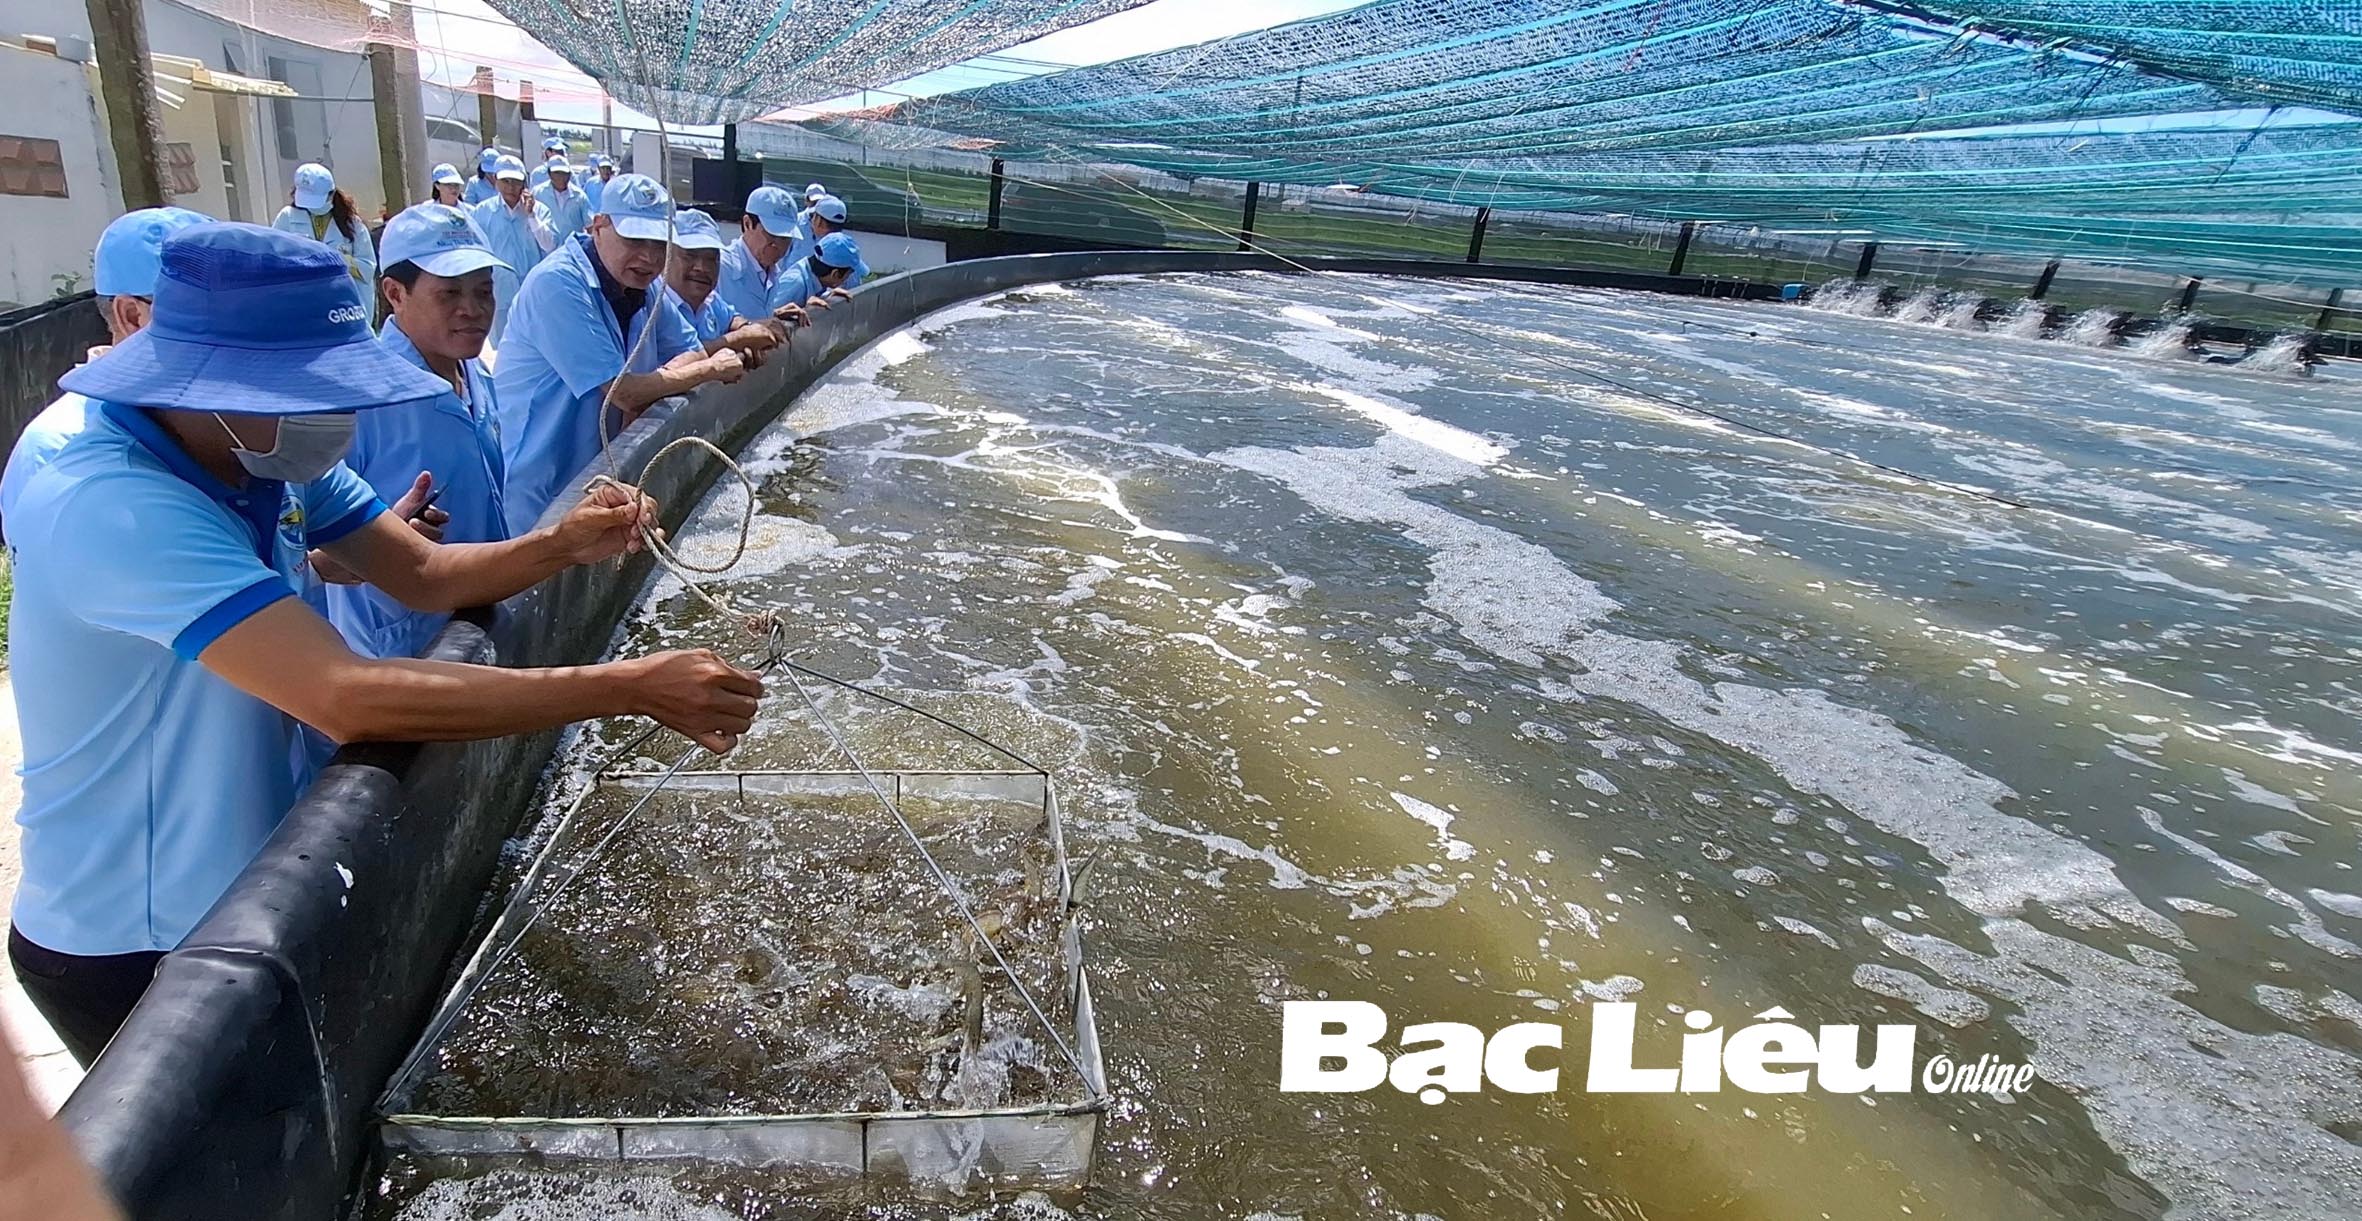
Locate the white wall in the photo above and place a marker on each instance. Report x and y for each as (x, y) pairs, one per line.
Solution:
(335, 124)
(41, 96)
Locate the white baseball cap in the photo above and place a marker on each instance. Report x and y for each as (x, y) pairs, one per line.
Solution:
(313, 185)
(437, 237)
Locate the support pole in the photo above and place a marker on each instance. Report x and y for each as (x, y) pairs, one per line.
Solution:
(2329, 310)
(487, 107)
(992, 201)
(730, 148)
(1476, 235)
(1246, 229)
(1689, 229)
(2050, 271)
(2190, 294)
(119, 37)
(401, 125)
(1869, 258)
(525, 114)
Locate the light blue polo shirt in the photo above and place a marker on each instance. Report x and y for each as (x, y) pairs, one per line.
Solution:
(44, 435)
(479, 189)
(569, 211)
(456, 440)
(509, 233)
(711, 320)
(563, 348)
(149, 781)
(750, 290)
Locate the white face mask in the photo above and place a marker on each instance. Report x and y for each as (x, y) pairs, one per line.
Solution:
(307, 447)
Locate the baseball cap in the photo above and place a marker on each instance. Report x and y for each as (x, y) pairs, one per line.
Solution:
(639, 208)
(488, 160)
(814, 191)
(694, 230)
(775, 208)
(254, 321)
(130, 251)
(837, 250)
(439, 239)
(313, 183)
(552, 144)
(510, 167)
(559, 166)
(830, 209)
(447, 173)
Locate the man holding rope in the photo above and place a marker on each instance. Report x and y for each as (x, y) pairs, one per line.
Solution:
(162, 660)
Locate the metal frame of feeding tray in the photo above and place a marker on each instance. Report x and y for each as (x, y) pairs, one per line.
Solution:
(1040, 1145)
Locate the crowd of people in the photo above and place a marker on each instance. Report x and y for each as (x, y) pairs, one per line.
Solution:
(242, 521)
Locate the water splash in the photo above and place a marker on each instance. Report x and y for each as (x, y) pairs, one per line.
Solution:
(2170, 341)
(1923, 306)
(2026, 320)
(1858, 298)
(1961, 314)
(2284, 355)
(2094, 328)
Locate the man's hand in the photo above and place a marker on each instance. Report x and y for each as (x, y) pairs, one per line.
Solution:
(421, 516)
(819, 302)
(791, 314)
(613, 519)
(326, 567)
(841, 294)
(696, 693)
(725, 366)
(751, 340)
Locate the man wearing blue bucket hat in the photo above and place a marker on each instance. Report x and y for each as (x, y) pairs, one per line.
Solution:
(753, 275)
(483, 186)
(125, 265)
(689, 279)
(586, 318)
(161, 660)
(440, 462)
(517, 228)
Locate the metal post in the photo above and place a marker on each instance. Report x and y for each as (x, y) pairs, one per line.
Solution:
(2190, 294)
(1246, 229)
(1689, 229)
(487, 107)
(525, 115)
(2329, 310)
(730, 148)
(1869, 257)
(1476, 235)
(2050, 271)
(992, 201)
(119, 38)
(401, 126)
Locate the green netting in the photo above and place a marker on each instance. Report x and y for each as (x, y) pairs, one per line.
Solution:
(719, 61)
(2284, 50)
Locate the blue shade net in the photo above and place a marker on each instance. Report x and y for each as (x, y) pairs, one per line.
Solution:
(696, 62)
(1769, 112)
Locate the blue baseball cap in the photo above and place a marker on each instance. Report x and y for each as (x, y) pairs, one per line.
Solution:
(509, 167)
(639, 209)
(254, 321)
(775, 208)
(829, 208)
(130, 252)
(446, 173)
(488, 160)
(552, 144)
(694, 230)
(313, 183)
(813, 192)
(837, 250)
(439, 239)
(559, 166)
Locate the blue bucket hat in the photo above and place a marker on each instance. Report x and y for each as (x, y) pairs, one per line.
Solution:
(253, 321)
(775, 208)
(639, 209)
(837, 250)
(130, 252)
(694, 230)
(439, 239)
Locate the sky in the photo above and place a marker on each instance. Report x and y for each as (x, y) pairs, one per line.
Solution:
(456, 35)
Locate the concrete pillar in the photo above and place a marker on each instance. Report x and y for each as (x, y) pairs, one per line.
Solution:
(401, 123)
(487, 107)
(1476, 234)
(119, 38)
(1246, 229)
(992, 201)
(1689, 230)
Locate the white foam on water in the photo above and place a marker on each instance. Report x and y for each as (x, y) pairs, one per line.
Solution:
(2349, 906)
(1404, 420)
(2308, 927)
(1440, 820)
(515, 1195)
(1950, 1006)
(1320, 321)
(773, 543)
